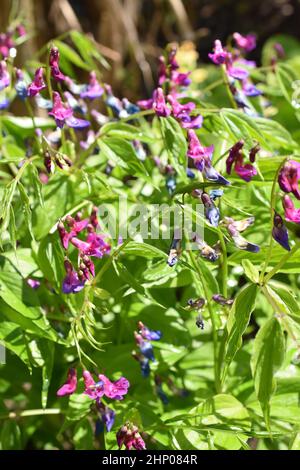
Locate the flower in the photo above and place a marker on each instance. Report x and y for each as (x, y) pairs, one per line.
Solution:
(107, 416)
(220, 55)
(159, 103)
(288, 178)
(20, 85)
(144, 363)
(236, 158)
(60, 111)
(248, 43)
(4, 75)
(95, 390)
(71, 283)
(220, 299)
(129, 107)
(4, 103)
(129, 436)
(93, 90)
(188, 122)
(146, 333)
(197, 152)
(212, 213)
(234, 228)
(146, 347)
(33, 283)
(279, 232)
(38, 83)
(54, 65)
(249, 89)
(112, 101)
(174, 253)
(77, 106)
(290, 212)
(69, 387)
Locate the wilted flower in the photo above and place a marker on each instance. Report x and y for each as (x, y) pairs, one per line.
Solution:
(234, 228)
(248, 42)
(290, 212)
(69, 387)
(199, 321)
(288, 178)
(220, 299)
(174, 253)
(197, 304)
(212, 213)
(93, 90)
(206, 251)
(279, 232)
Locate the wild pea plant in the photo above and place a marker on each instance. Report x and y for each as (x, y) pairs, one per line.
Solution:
(150, 335)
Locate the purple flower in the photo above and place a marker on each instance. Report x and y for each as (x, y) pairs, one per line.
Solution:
(4, 103)
(290, 212)
(69, 387)
(93, 90)
(211, 174)
(107, 416)
(38, 83)
(145, 104)
(237, 73)
(33, 283)
(247, 43)
(236, 158)
(93, 246)
(250, 90)
(129, 107)
(60, 111)
(4, 75)
(288, 178)
(234, 228)
(146, 333)
(145, 347)
(181, 79)
(220, 299)
(129, 436)
(159, 103)
(280, 233)
(174, 252)
(71, 283)
(115, 390)
(212, 213)
(197, 152)
(188, 122)
(112, 101)
(77, 123)
(180, 111)
(246, 172)
(77, 106)
(220, 55)
(279, 50)
(54, 65)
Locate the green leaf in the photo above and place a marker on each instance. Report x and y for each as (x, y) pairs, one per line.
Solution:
(175, 142)
(69, 54)
(286, 76)
(144, 250)
(268, 355)
(238, 319)
(125, 131)
(83, 436)
(10, 436)
(251, 271)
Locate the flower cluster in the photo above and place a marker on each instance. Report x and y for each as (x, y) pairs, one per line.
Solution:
(129, 436)
(8, 40)
(94, 245)
(142, 338)
(96, 390)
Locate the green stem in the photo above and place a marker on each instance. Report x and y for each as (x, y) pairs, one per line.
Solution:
(283, 260)
(272, 208)
(213, 322)
(227, 86)
(26, 413)
(223, 264)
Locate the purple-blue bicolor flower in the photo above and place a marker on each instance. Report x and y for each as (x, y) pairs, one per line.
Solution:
(280, 233)
(20, 85)
(64, 114)
(129, 107)
(146, 333)
(250, 90)
(38, 84)
(71, 283)
(212, 213)
(93, 90)
(146, 347)
(77, 106)
(112, 101)
(107, 415)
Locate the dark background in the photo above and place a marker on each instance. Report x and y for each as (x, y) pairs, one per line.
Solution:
(131, 33)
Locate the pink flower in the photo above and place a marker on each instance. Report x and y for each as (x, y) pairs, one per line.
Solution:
(72, 283)
(159, 103)
(38, 83)
(4, 75)
(93, 89)
(288, 178)
(54, 65)
(197, 152)
(70, 385)
(248, 43)
(96, 390)
(129, 436)
(180, 110)
(220, 55)
(60, 111)
(290, 212)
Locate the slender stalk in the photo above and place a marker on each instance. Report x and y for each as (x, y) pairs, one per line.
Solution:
(26, 413)
(223, 264)
(227, 86)
(281, 263)
(212, 319)
(272, 208)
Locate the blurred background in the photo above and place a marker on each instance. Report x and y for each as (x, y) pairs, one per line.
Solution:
(131, 33)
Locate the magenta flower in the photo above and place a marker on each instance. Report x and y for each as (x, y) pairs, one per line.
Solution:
(180, 110)
(4, 75)
(188, 122)
(280, 233)
(33, 283)
(236, 72)
(181, 79)
(246, 172)
(288, 178)
(145, 104)
(220, 56)
(72, 283)
(54, 65)
(93, 246)
(95, 390)
(159, 103)
(69, 387)
(60, 111)
(290, 212)
(38, 83)
(247, 43)
(93, 90)
(236, 159)
(197, 152)
(162, 70)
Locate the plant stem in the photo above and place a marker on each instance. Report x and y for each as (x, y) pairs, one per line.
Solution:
(283, 260)
(223, 264)
(25, 413)
(213, 322)
(227, 86)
